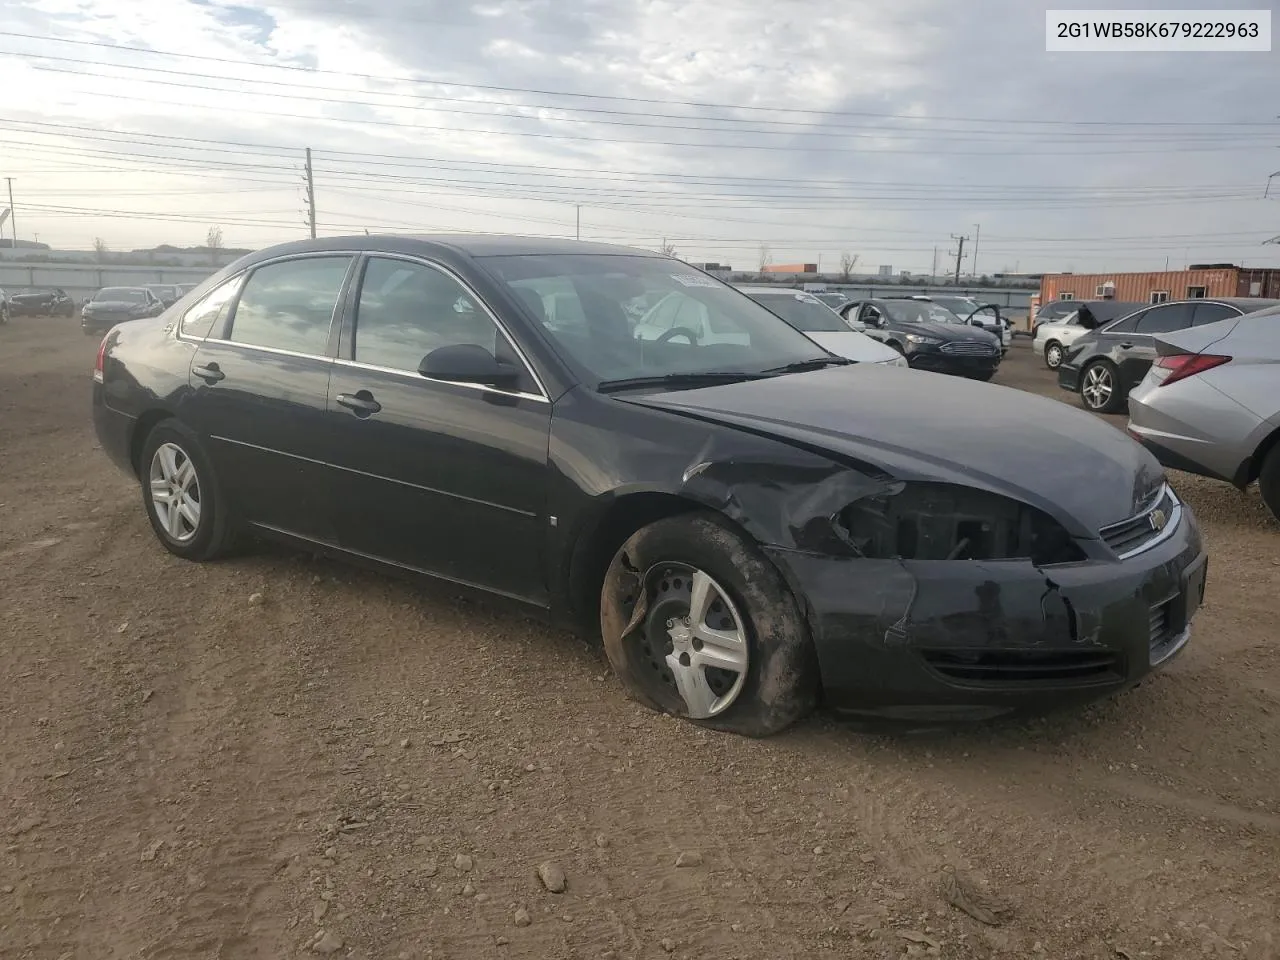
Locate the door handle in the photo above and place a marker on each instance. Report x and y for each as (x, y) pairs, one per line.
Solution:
(211, 373)
(360, 403)
(1126, 346)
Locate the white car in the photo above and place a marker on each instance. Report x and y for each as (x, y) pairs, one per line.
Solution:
(820, 323)
(1053, 337)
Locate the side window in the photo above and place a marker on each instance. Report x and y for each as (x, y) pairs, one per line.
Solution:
(1212, 313)
(1173, 316)
(205, 318)
(1127, 325)
(290, 305)
(406, 310)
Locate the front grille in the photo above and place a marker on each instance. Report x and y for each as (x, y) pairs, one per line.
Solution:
(1026, 666)
(1144, 529)
(968, 348)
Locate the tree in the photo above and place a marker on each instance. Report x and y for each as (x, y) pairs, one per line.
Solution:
(100, 249)
(668, 249)
(213, 240)
(766, 256)
(847, 262)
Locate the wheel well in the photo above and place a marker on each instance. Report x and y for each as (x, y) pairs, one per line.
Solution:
(1260, 455)
(141, 430)
(595, 550)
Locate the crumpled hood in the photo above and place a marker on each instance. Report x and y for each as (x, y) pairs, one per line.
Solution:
(1064, 461)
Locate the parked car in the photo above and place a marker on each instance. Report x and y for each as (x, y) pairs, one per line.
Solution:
(976, 312)
(45, 303)
(1052, 337)
(1054, 310)
(4, 306)
(1103, 366)
(819, 322)
(167, 293)
(746, 523)
(930, 336)
(111, 305)
(1210, 404)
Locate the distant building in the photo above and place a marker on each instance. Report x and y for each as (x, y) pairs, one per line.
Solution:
(717, 269)
(886, 270)
(790, 268)
(1200, 280)
(904, 275)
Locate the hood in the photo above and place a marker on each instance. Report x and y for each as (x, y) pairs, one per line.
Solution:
(855, 346)
(1064, 461)
(946, 331)
(114, 306)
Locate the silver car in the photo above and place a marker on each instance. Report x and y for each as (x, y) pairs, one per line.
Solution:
(1210, 404)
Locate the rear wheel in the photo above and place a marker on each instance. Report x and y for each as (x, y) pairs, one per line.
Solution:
(181, 494)
(1053, 355)
(1269, 481)
(699, 624)
(1100, 388)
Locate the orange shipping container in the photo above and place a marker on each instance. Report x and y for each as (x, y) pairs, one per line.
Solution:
(1144, 287)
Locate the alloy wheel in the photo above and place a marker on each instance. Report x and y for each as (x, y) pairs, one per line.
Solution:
(175, 492)
(1098, 387)
(694, 640)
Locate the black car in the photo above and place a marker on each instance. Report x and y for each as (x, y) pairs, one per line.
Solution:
(4, 306)
(1104, 365)
(749, 522)
(111, 305)
(45, 303)
(977, 313)
(930, 336)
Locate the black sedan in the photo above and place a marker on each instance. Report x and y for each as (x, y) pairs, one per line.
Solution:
(111, 305)
(930, 336)
(44, 303)
(749, 521)
(1104, 365)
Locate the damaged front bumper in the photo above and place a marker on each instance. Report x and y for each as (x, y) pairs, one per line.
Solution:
(972, 639)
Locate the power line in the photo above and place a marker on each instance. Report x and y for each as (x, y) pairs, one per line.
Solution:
(789, 110)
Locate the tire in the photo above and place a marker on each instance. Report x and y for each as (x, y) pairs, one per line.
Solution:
(1053, 354)
(212, 533)
(1108, 397)
(650, 584)
(1269, 481)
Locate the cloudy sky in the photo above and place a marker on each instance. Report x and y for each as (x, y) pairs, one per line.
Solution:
(717, 126)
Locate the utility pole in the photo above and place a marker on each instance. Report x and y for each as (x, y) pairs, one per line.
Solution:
(311, 196)
(959, 254)
(13, 217)
(973, 262)
(933, 271)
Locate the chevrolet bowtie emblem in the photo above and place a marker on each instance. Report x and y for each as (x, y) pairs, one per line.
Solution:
(1158, 519)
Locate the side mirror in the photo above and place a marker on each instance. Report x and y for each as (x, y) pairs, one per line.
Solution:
(468, 363)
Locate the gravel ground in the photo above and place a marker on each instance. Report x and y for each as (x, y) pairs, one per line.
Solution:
(279, 756)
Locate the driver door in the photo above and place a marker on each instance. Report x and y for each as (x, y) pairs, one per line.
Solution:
(447, 479)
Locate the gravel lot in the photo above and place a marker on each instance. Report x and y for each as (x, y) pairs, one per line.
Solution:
(222, 761)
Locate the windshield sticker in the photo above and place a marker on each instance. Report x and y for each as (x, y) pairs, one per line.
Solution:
(694, 280)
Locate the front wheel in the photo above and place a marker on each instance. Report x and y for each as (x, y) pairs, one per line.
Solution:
(1100, 388)
(1053, 355)
(698, 623)
(181, 494)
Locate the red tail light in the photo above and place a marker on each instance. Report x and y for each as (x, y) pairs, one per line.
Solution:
(102, 356)
(1183, 365)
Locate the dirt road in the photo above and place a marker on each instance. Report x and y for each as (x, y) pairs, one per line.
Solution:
(222, 761)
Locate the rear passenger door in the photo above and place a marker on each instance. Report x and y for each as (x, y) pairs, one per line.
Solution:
(259, 384)
(1136, 351)
(443, 478)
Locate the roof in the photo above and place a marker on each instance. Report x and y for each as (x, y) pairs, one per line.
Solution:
(470, 244)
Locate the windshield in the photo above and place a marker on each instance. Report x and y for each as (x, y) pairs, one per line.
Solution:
(962, 306)
(621, 317)
(802, 311)
(918, 311)
(121, 295)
